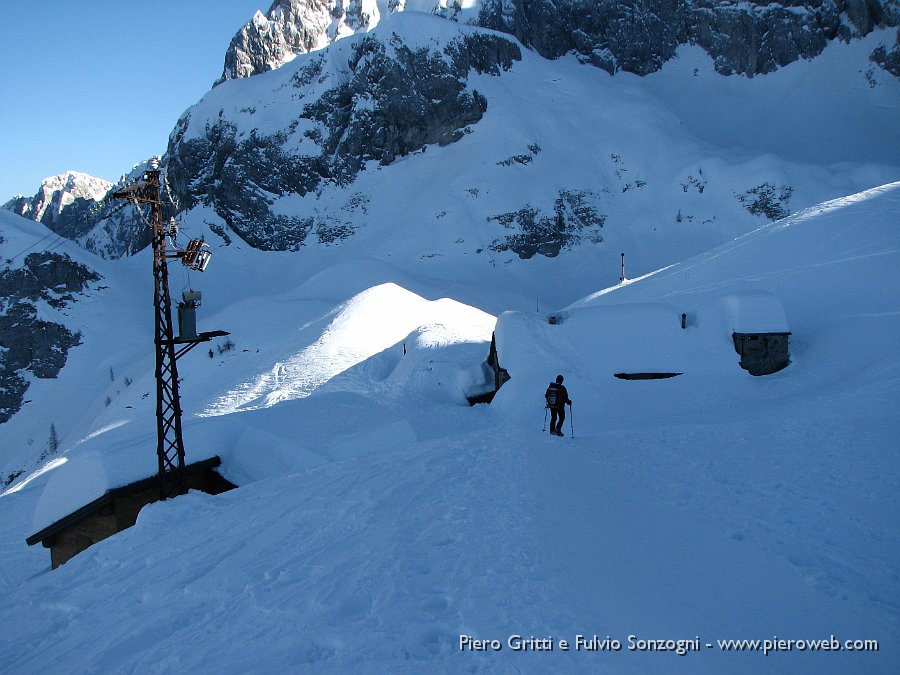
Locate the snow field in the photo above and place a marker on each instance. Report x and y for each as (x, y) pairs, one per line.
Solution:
(374, 528)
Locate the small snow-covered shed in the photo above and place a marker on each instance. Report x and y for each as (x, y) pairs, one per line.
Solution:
(759, 329)
(116, 510)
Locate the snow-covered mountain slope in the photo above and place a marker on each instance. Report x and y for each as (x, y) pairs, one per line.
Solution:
(403, 88)
(831, 269)
(67, 204)
(381, 518)
(42, 279)
(287, 158)
(540, 155)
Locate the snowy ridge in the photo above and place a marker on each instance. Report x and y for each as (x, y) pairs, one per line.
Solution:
(829, 268)
(21, 236)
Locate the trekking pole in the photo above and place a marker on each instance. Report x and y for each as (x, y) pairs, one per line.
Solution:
(571, 421)
(546, 408)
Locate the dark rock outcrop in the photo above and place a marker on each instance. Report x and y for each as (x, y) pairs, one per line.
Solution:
(767, 200)
(888, 60)
(29, 344)
(575, 218)
(637, 36)
(50, 277)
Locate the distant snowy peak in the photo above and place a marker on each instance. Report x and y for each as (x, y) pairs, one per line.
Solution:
(58, 192)
(294, 27)
(74, 205)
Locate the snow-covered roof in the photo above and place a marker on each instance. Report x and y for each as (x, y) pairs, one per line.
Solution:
(754, 312)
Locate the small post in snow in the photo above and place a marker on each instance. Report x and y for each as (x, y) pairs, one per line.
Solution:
(622, 275)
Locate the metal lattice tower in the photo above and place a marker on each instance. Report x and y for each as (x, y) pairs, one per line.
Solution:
(170, 443)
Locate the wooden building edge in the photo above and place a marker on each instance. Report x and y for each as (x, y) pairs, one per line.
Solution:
(117, 509)
(763, 353)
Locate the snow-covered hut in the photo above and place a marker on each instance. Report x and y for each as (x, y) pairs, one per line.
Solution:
(759, 330)
(116, 510)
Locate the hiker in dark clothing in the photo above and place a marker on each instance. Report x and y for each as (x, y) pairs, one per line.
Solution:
(557, 397)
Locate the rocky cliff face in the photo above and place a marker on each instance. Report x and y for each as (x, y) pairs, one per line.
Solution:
(378, 100)
(888, 59)
(638, 36)
(30, 345)
(293, 27)
(374, 99)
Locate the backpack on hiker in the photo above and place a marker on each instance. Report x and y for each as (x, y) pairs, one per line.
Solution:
(552, 396)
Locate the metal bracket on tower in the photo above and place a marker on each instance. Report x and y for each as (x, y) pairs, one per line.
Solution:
(196, 255)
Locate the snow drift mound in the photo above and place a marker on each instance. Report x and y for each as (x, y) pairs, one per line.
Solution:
(367, 324)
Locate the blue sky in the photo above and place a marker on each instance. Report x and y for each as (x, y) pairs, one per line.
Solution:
(97, 86)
